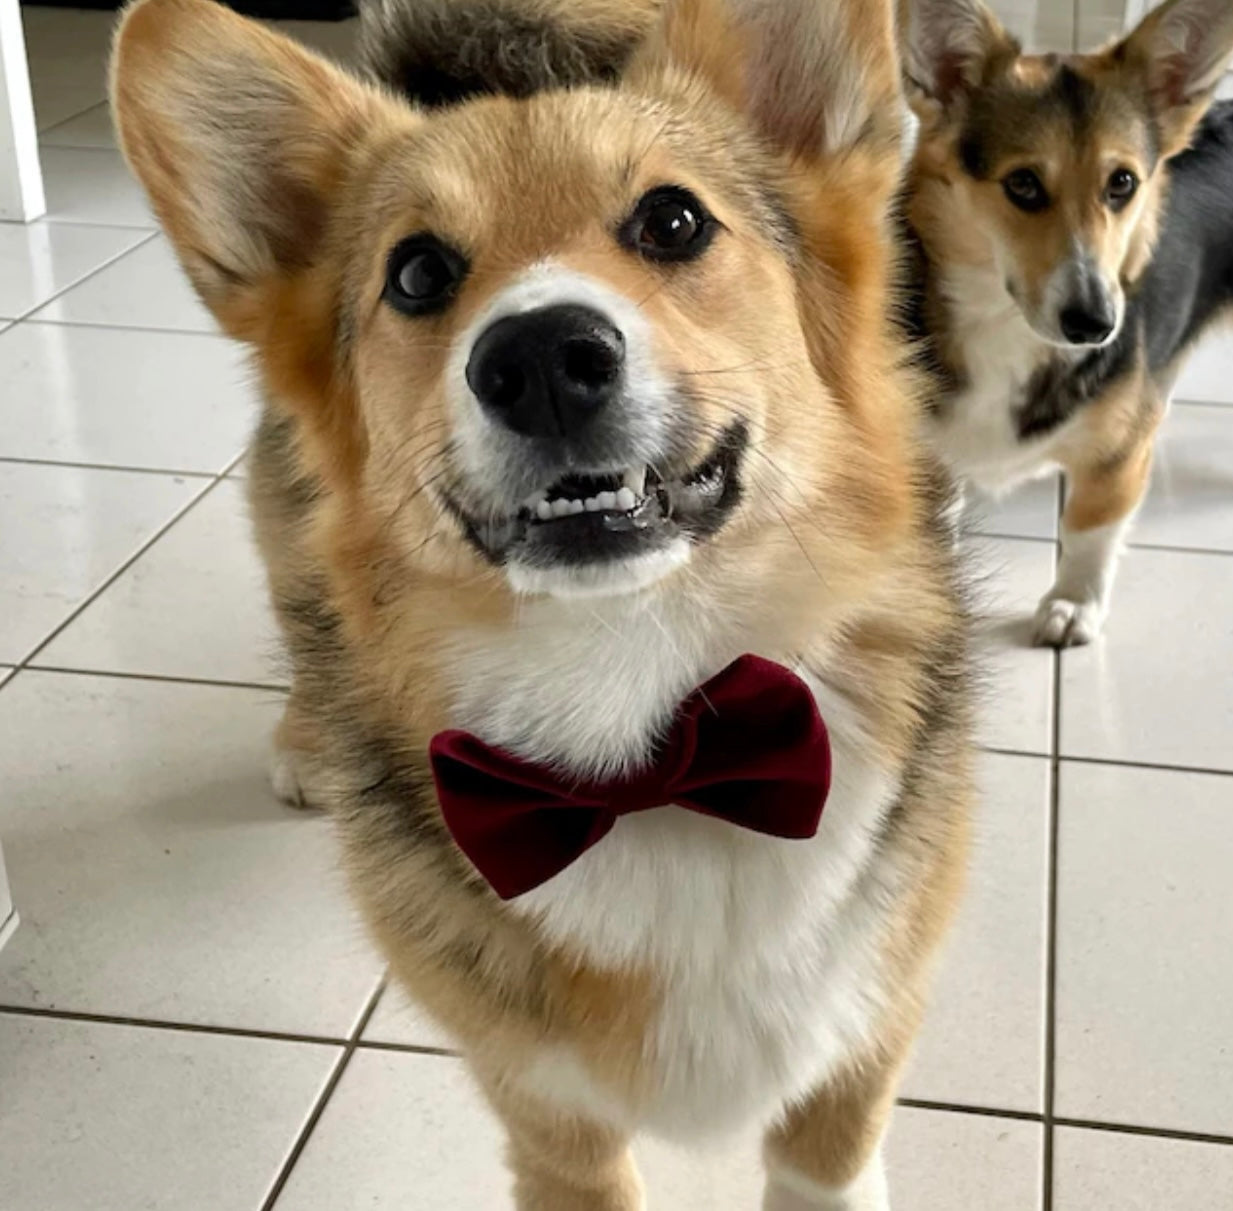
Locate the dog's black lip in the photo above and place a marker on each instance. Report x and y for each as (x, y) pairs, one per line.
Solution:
(606, 536)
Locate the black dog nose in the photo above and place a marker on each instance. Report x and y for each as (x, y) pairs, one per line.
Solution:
(548, 373)
(1087, 325)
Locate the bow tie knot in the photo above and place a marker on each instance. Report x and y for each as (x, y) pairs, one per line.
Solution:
(749, 747)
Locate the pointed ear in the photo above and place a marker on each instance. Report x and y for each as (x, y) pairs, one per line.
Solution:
(1180, 51)
(240, 138)
(815, 78)
(947, 45)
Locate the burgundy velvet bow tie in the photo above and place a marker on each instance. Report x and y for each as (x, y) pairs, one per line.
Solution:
(749, 747)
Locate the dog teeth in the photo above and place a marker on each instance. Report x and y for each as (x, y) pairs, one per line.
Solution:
(635, 481)
(625, 499)
(592, 504)
(607, 500)
(543, 510)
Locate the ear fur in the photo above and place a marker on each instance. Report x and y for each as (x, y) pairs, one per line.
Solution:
(239, 136)
(947, 45)
(1180, 51)
(816, 79)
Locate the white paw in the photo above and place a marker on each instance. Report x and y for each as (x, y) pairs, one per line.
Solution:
(288, 777)
(1061, 623)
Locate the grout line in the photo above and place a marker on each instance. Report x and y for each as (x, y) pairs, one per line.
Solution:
(1160, 546)
(1019, 1116)
(81, 113)
(1155, 1133)
(93, 273)
(1151, 765)
(108, 581)
(1201, 403)
(1051, 902)
(84, 466)
(409, 1049)
(355, 1043)
(323, 1100)
(111, 1019)
(202, 333)
(166, 678)
(52, 322)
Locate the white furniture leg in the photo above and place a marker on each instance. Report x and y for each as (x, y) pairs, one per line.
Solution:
(21, 177)
(8, 914)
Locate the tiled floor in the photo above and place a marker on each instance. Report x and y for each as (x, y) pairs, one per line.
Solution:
(189, 1015)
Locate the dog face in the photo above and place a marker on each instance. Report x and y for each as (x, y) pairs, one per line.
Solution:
(1055, 162)
(563, 344)
(577, 320)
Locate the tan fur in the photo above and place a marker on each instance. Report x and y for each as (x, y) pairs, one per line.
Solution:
(285, 239)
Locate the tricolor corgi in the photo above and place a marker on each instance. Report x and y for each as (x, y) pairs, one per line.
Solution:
(1075, 222)
(629, 652)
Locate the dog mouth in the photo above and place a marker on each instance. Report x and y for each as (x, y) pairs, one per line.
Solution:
(595, 517)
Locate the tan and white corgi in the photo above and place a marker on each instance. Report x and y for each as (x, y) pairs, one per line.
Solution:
(1075, 220)
(579, 395)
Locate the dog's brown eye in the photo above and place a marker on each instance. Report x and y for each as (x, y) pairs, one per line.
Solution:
(423, 275)
(1122, 186)
(668, 224)
(1026, 190)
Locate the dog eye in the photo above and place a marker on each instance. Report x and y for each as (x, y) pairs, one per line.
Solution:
(1024, 188)
(423, 275)
(1122, 186)
(668, 224)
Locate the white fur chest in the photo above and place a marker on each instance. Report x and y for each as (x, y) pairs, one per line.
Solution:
(769, 950)
(976, 433)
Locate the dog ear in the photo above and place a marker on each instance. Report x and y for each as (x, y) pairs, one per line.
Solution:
(239, 137)
(815, 78)
(1181, 51)
(947, 45)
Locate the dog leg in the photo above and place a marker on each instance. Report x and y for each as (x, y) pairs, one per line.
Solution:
(293, 758)
(562, 1162)
(1099, 510)
(825, 1155)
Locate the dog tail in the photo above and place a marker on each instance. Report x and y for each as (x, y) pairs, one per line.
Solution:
(440, 52)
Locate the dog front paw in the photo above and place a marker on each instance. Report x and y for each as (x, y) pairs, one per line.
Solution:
(1062, 623)
(291, 779)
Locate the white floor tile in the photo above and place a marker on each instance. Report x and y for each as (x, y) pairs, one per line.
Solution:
(1028, 512)
(92, 129)
(124, 398)
(90, 185)
(360, 1155)
(1016, 698)
(65, 530)
(1190, 503)
(1144, 985)
(399, 1020)
(1208, 376)
(983, 1042)
(115, 1118)
(195, 605)
(1095, 1170)
(156, 875)
(145, 289)
(39, 260)
(1156, 687)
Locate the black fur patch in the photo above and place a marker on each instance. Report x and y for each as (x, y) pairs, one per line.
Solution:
(439, 54)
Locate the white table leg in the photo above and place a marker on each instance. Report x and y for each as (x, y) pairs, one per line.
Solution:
(21, 177)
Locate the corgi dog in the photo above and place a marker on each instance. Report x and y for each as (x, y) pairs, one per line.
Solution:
(1074, 216)
(584, 388)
